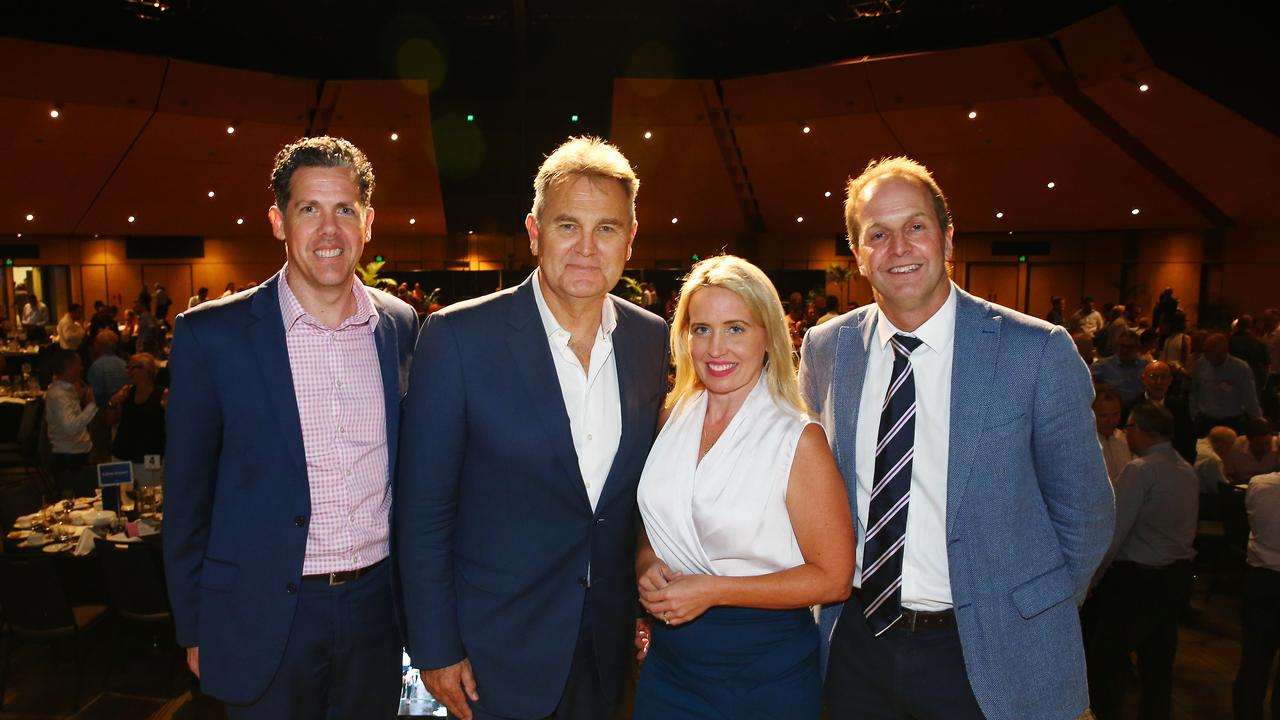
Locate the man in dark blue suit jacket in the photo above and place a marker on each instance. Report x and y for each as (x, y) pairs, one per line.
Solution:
(528, 420)
(282, 424)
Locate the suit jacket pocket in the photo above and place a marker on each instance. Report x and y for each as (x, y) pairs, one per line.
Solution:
(218, 575)
(1003, 423)
(1041, 593)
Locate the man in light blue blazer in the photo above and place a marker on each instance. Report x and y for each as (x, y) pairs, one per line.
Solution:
(965, 435)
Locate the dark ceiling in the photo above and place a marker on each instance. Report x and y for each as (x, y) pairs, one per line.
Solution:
(524, 68)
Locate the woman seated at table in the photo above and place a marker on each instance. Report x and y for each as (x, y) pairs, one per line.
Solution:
(746, 520)
(139, 407)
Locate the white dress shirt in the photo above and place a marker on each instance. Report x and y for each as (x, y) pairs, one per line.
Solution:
(1115, 453)
(68, 422)
(926, 581)
(1263, 503)
(590, 394)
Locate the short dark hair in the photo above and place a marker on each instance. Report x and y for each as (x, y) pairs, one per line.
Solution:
(320, 152)
(1257, 427)
(1106, 392)
(1152, 420)
(833, 302)
(62, 360)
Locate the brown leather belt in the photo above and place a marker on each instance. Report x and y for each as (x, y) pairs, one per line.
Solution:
(343, 577)
(913, 620)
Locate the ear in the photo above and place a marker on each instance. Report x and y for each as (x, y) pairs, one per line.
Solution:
(635, 225)
(276, 218)
(368, 224)
(531, 227)
(947, 246)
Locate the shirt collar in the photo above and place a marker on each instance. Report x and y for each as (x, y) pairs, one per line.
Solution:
(608, 315)
(291, 310)
(1157, 447)
(937, 333)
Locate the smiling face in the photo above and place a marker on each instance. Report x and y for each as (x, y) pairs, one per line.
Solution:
(1156, 379)
(726, 342)
(902, 250)
(582, 238)
(324, 228)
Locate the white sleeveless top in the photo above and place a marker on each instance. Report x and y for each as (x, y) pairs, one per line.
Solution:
(728, 514)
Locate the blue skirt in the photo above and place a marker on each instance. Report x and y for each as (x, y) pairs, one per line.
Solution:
(732, 664)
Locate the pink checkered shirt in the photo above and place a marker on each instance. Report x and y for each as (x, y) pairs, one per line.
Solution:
(338, 384)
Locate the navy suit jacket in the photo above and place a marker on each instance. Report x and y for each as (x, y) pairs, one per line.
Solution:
(237, 498)
(495, 533)
(1030, 511)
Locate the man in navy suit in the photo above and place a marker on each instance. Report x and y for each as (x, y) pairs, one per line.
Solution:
(528, 420)
(282, 423)
(966, 439)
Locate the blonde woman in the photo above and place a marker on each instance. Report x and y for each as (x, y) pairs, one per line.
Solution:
(746, 520)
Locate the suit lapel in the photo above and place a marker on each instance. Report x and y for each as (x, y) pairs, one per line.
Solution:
(388, 345)
(629, 394)
(850, 373)
(532, 359)
(267, 343)
(973, 370)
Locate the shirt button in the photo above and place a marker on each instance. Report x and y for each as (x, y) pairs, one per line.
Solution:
(341, 429)
(588, 484)
(300, 520)
(339, 383)
(291, 588)
(588, 436)
(348, 472)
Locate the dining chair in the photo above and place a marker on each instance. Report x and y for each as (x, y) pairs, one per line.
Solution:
(135, 587)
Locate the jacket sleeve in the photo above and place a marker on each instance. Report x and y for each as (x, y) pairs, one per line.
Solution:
(193, 430)
(1068, 460)
(432, 447)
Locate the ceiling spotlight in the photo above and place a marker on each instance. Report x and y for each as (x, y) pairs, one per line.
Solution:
(413, 221)
(54, 113)
(20, 235)
(471, 232)
(231, 129)
(1134, 211)
(395, 136)
(211, 193)
(132, 218)
(799, 218)
(1051, 185)
(239, 221)
(647, 134)
(999, 215)
(1144, 87)
(973, 114)
(30, 217)
(675, 220)
(826, 194)
(805, 129)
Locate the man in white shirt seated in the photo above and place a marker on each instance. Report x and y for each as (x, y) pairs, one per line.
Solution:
(1106, 412)
(1254, 454)
(69, 407)
(1260, 601)
(70, 329)
(1210, 450)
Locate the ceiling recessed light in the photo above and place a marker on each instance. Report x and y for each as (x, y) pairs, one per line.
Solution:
(30, 217)
(1134, 211)
(231, 129)
(395, 136)
(1051, 185)
(999, 215)
(132, 218)
(211, 193)
(799, 218)
(20, 235)
(413, 221)
(1144, 87)
(647, 134)
(805, 129)
(471, 232)
(675, 220)
(239, 221)
(973, 114)
(826, 194)
(54, 114)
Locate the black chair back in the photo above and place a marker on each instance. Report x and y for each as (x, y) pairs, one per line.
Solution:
(1235, 520)
(32, 594)
(18, 500)
(135, 580)
(29, 429)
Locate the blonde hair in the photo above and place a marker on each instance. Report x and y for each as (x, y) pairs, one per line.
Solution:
(903, 167)
(751, 284)
(588, 156)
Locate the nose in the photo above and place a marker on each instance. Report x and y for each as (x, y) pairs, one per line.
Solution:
(586, 245)
(715, 347)
(898, 244)
(328, 224)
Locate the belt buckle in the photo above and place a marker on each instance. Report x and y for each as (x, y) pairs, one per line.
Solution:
(335, 580)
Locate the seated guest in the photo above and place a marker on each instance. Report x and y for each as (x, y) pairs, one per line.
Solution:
(1055, 311)
(1260, 601)
(138, 408)
(1253, 454)
(1084, 346)
(746, 519)
(1156, 379)
(1106, 413)
(831, 310)
(1210, 450)
(70, 331)
(1123, 370)
(107, 370)
(1086, 319)
(1222, 389)
(69, 407)
(1149, 579)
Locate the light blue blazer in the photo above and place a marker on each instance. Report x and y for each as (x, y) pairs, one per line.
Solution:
(1030, 511)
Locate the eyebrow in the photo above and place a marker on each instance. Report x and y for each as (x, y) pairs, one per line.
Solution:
(574, 219)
